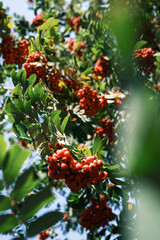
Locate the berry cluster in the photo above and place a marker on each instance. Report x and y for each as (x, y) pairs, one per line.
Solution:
(74, 22)
(31, 67)
(13, 54)
(98, 214)
(145, 59)
(76, 174)
(44, 235)
(37, 21)
(90, 101)
(56, 147)
(71, 84)
(55, 79)
(76, 46)
(102, 68)
(106, 130)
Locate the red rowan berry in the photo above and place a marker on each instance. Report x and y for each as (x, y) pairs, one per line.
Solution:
(44, 235)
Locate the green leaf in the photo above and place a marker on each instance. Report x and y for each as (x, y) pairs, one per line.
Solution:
(38, 91)
(86, 151)
(4, 202)
(88, 71)
(43, 150)
(34, 45)
(39, 139)
(1, 185)
(64, 123)
(3, 145)
(32, 79)
(17, 98)
(44, 222)
(15, 158)
(50, 23)
(104, 141)
(139, 45)
(121, 193)
(56, 118)
(7, 222)
(24, 184)
(33, 130)
(13, 76)
(102, 86)
(22, 129)
(10, 107)
(27, 105)
(35, 202)
(21, 77)
(158, 58)
(96, 144)
(112, 167)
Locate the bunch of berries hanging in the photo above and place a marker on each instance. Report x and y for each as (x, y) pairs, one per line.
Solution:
(71, 84)
(102, 68)
(74, 22)
(44, 235)
(37, 21)
(76, 47)
(96, 215)
(76, 174)
(53, 81)
(106, 130)
(56, 147)
(145, 59)
(90, 101)
(36, 63)
(13, 54)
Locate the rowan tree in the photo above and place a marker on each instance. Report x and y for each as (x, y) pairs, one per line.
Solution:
(75, 73)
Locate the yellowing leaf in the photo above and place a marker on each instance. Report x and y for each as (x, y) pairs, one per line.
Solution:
(61, 84)
(10, 25)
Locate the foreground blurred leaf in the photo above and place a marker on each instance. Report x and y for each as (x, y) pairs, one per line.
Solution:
(7, 222)
(35, 202)
(24, 184)
(3, 146)
(44, 222)
(4, 202)
(15, 159)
